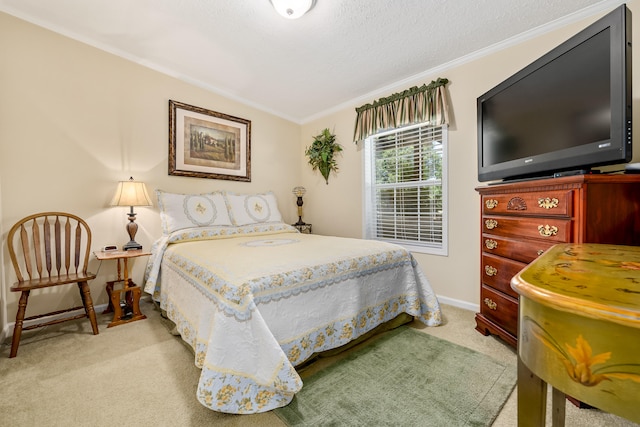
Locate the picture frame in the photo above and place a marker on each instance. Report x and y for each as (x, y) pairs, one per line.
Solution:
(208, 144)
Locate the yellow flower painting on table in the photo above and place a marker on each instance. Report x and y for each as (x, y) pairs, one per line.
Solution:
(582, 365)
(579, 324)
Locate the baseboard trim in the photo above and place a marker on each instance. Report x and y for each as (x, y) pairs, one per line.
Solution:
(459, 303)
(7, 331)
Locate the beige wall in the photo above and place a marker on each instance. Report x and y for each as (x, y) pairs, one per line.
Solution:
(74, 120)
(336, 209)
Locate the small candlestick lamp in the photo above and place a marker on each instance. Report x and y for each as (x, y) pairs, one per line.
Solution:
(299, 192)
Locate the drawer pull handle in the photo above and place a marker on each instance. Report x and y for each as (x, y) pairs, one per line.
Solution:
(490, 303)
(490, 271)
(490, 244)
(548, 203)
(491, 203)
(491, 224)
(540, 252)
(547, 230)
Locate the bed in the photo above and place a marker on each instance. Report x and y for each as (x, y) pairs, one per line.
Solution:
(254, 298)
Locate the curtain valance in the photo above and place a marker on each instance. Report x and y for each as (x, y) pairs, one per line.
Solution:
(424, 104)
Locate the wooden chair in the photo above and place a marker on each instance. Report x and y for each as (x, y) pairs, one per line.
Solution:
(50, 249)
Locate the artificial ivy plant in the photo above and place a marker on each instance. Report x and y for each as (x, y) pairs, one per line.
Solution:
(321, 153)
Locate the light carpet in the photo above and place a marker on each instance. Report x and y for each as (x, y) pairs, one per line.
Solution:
(139, 374)
(404, 378)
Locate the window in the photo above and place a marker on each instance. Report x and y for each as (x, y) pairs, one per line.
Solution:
(406, 188)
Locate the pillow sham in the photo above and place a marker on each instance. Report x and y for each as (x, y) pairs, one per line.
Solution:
(247, 209)
(179, 211)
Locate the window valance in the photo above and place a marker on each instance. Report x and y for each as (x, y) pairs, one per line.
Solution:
(425, 104)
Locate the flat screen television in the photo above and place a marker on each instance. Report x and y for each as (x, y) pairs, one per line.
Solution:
(565, 113)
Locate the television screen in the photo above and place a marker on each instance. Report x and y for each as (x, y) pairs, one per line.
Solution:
(571, 109)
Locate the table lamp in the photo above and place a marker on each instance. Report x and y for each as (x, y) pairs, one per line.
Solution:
(131, 193)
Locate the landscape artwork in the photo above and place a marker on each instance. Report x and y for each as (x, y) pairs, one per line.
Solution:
(208, 144)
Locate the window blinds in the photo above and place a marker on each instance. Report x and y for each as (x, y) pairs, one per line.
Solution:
(406, 201)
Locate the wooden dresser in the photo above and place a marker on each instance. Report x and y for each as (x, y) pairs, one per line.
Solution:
(521, 220)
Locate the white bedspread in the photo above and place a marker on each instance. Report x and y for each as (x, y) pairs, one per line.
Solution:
(255, 301)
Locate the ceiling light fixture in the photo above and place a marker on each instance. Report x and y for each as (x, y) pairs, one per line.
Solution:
(292, 9)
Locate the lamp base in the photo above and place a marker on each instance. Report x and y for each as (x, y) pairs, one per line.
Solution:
(300, 221)
(132, 246)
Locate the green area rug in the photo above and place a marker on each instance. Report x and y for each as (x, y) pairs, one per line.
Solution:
(405, 378)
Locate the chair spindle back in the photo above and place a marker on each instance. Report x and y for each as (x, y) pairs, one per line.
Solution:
(56, 243)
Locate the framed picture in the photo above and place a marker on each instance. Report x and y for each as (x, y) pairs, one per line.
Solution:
(208, 144)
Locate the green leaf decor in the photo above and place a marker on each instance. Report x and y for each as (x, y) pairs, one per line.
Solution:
(321, 153)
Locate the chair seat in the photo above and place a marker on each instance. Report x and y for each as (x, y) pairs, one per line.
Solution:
(45, 282)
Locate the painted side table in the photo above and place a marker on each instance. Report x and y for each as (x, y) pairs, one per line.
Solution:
(579, 331)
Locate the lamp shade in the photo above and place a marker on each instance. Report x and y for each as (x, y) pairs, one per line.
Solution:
(131, 193)
(292, 9)
(299, 191)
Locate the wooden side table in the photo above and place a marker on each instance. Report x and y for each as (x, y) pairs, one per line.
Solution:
(579, 331)
(130, 311)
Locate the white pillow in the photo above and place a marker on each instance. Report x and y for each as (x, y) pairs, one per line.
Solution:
(247, 209)
(178, 211)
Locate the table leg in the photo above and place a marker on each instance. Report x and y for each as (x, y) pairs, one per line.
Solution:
(532, 398)
(126, 271)
(558, 406)
(110, 284)
(128, 296)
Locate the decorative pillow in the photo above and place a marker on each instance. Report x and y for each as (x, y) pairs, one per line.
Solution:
(253, 208)
(178, 211)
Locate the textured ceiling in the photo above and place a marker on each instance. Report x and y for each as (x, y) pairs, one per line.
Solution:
(340, 52)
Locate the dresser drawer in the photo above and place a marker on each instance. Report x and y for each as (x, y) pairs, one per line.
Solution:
(497, 272)
(547, 203)
(500, 308)
(523, 250)
(549, 229)
(518, 219)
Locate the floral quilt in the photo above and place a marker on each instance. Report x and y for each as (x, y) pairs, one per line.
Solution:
(255, 301)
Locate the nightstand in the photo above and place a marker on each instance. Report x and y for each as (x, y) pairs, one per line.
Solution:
(303, 228)
(128, 310)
